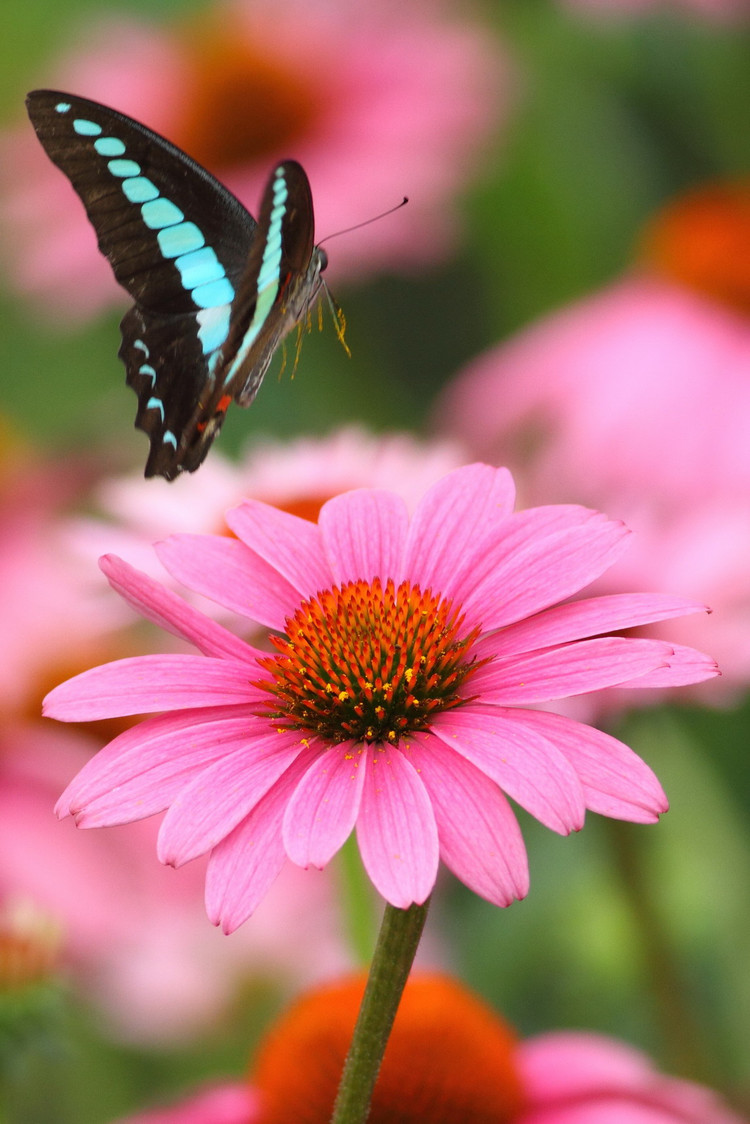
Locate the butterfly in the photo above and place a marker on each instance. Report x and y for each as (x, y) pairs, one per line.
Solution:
(215, 291)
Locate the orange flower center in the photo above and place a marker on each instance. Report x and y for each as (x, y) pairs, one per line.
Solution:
(29, 946)
(244, 103)
(450, 1058)
(304, 507)
(702, 240)
(368, 663)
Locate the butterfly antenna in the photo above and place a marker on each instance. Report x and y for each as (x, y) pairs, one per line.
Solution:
(358, 225)
(337, 313)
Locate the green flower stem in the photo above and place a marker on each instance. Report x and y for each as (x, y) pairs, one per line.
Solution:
(397, 944)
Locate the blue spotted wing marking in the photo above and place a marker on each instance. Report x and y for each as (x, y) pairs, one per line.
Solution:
(214, 292)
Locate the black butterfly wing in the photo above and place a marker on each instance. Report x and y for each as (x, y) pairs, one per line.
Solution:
(177, 241)
(98, 149)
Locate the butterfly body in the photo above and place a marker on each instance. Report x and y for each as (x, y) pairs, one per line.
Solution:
(215, 292)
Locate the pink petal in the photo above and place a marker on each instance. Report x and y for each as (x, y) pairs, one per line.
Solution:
(364, 533)
(211, 805)
(586, 665)
(289, 545)
(396, 829)
(322, 811)
(480, 840)
(140, 684)
(225, 571)
(616, 782)
(495, 542)
(171, 612)
(141, 770)
(565, 1064)
(460, 508)
(509, 585)
(591, 617)
(230, 1103)
(243, 866)
(522, 761)
(686, 665)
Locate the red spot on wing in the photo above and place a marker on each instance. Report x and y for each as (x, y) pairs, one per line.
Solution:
(221, 408)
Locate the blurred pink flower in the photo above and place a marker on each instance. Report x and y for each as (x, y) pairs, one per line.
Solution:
(53, 616)
(577, 1078)
(132, 936)
(409, 652)
(636, 400)
(297, 476)
(230, 1103)
(451, 1052)
(376, 101)
(641, 390)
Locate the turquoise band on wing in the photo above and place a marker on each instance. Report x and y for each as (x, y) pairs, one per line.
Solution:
(179, 240)
(268, 276)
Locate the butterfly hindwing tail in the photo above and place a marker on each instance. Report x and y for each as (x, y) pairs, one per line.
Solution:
(168, 372)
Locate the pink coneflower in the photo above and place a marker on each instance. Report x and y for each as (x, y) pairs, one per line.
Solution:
(450, 1058)
(639, 391)
(131, 938)
(637, 399)
(377, 101)
(407, 657)
(52, 618)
